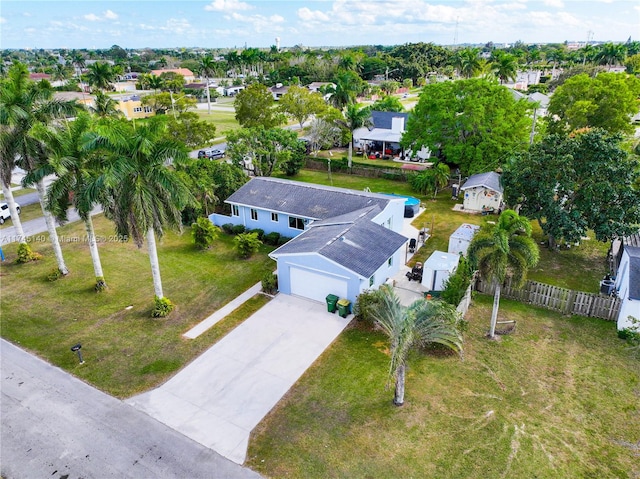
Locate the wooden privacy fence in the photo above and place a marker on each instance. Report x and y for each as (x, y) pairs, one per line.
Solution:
(558, 299)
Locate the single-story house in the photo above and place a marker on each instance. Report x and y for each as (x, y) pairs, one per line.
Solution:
(278, 90)
(438, 268)
(344, 241)
(461, 238)
(627, 285)
(317, 85)
(39, 76)
(232, 90)
(483, 192)
(385, 133)
(188, 75)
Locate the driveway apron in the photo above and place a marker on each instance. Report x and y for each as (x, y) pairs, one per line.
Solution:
(222, 395)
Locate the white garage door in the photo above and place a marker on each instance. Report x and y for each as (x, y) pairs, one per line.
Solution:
(316, 286)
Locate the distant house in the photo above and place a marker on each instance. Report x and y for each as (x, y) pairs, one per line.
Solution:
(278, 90)
(345, 241)
(317, 85)
(385, 133)
(461, 238)
(188, 75)
(627, 282)
(132, 107)
(232, 90)
(39, 76)
(483, 192)
(79, 97)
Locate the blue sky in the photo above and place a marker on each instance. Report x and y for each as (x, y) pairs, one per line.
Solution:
(234, 23)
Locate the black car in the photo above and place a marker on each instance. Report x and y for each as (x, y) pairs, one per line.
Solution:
(211, 154)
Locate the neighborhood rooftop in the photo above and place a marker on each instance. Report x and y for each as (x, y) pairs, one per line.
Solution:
(304, 199)
(360, 246)
(489, 180)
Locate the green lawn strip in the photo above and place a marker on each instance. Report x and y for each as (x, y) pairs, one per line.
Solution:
(558, 398)
(27, 212)
(225, 121)
(126, 351)
(18, 193)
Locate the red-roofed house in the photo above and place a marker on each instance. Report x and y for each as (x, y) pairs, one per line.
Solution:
(39, 76)
(188, 75)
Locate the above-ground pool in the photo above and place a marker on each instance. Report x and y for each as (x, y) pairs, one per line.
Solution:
(411, 204)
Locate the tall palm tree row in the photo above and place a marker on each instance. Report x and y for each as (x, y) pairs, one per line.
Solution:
(421, 323)
(504, 250)
(74, 167)
(144, 195)
(24, 107)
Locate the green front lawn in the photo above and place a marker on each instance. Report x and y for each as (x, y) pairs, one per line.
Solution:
(126, 351)
(559, 398)
(225, 121)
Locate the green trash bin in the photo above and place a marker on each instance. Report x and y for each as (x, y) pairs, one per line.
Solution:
(344, 307)
(332, 299)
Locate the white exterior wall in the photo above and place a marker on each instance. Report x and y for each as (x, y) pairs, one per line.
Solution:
(477, 198)
(629, 307)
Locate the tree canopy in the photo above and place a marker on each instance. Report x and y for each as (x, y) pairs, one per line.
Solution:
(255, 107)
(300, 104)
(475, 123)
(572, 184)
(604, 101)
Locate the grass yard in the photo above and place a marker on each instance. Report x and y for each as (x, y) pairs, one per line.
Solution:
(126, 351)
(18, 193)
(225, 121)
(580, 268)
(560, 398)
(27, 212)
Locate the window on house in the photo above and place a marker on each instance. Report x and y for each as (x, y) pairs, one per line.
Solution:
(390, 261)
(137, 109)
(235, 211)
(372, 280)
(254, 214)
(274, 217)
(148, 109)
(296, 223)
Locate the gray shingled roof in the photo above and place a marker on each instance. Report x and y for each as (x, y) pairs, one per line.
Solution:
(489, 180)
(634, 271)
(361, 246)
(383, 119)
(304, 199)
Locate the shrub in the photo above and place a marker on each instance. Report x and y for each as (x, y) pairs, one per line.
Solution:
(282, 240)
(54, 275)
(204, 233)
(238, 229)
(367, 302)
(259, 232)
(271, 238)
(25, 254)
(270, 283)
(247, 244)
(163, 306)
(228, 228)
(456, 285)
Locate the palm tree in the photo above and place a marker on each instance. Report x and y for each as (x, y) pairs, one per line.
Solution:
(504, 65)
(100, 76)
(422, 323)
(105, 106)
(504, 250)
(24, 106)
(144, 194)
(347, 87)
(355, 118)
(74, 166)
(468, 62)
(441, 173)
(611, 54)
(207, 68)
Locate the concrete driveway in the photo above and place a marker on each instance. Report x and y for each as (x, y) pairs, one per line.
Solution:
(221, 396)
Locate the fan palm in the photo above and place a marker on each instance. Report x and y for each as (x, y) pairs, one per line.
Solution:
(207, 69)
(144, 194)
(420, 324)
(24, 106)
(503, 250)
(74, 167)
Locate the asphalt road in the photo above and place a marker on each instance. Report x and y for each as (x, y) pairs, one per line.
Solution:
(55, 426)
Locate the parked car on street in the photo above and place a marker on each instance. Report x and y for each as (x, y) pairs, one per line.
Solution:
(211, 154)
(4, 212)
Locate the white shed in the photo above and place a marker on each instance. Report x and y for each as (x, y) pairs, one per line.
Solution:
(438, 268)
(483, 192)
(460, 239)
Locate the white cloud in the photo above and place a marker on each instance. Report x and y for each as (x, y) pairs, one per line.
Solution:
(92, 17)
(554, 3)
(227, 6)
(3, 20)
(175, 26)
(259, 23)
(109, 15)
(27, 14)
(307, 15)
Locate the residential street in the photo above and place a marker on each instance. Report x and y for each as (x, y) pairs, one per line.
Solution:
(56, 426)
